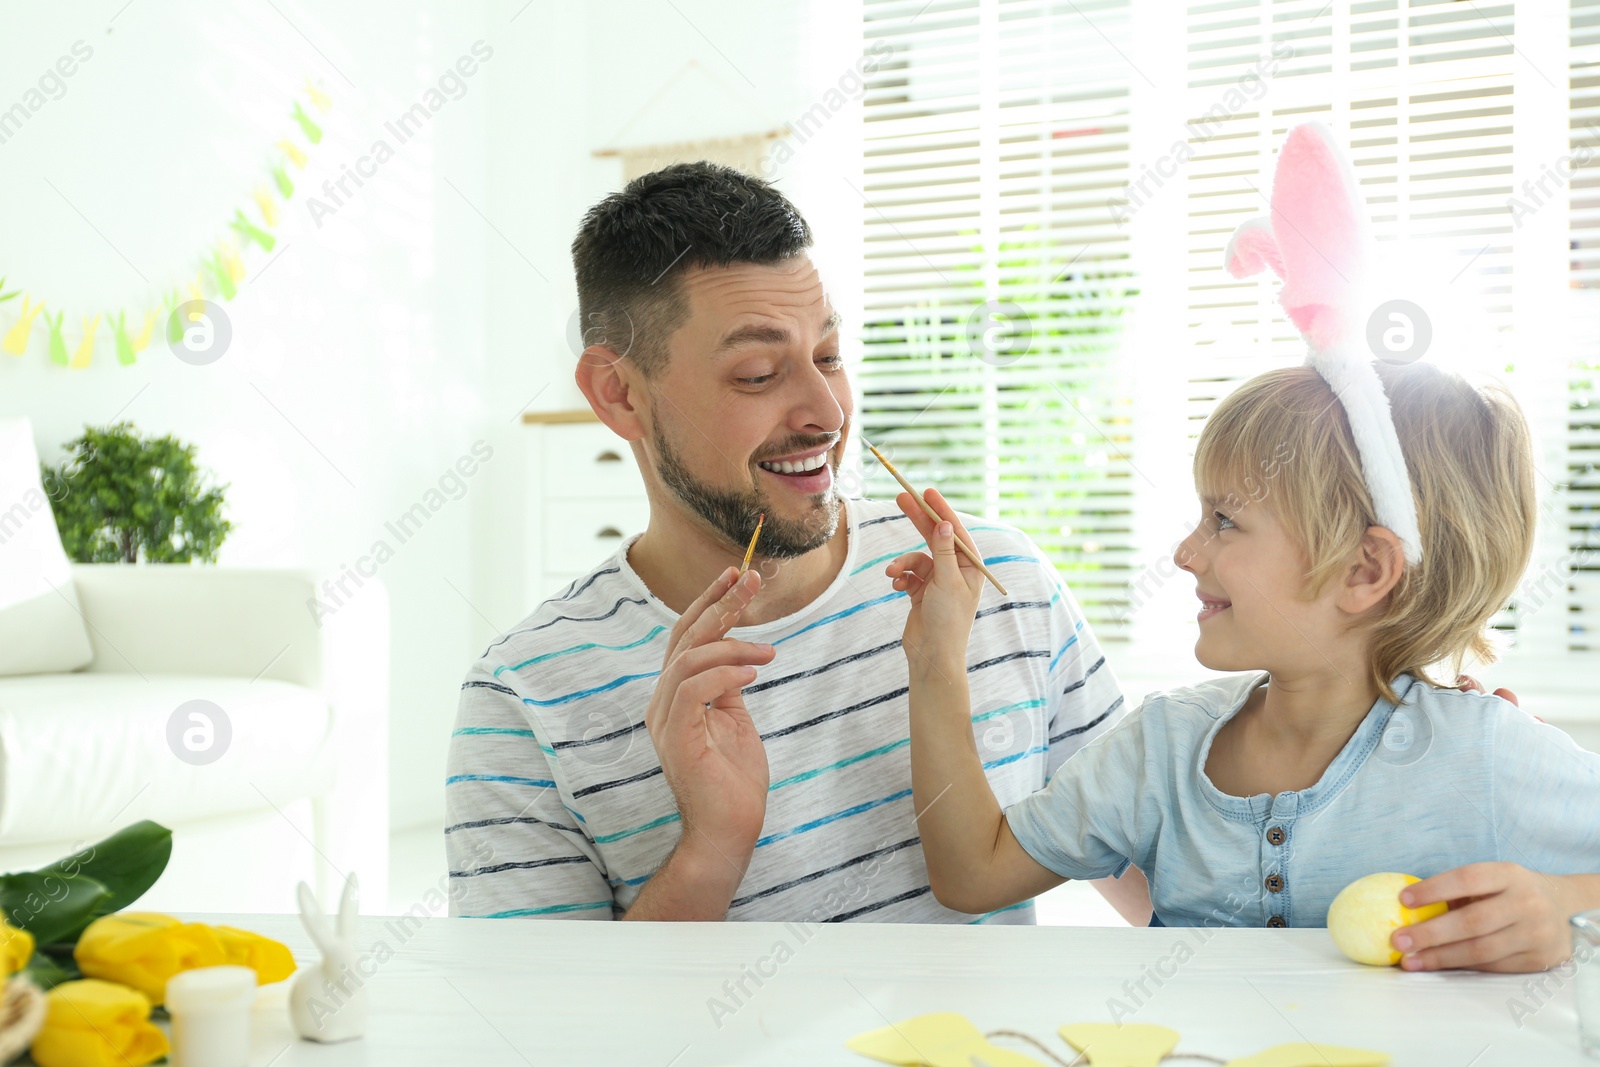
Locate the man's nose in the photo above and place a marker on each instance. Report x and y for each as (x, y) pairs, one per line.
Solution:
(817, 409)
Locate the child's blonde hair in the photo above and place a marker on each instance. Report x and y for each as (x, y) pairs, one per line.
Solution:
(1282, 441)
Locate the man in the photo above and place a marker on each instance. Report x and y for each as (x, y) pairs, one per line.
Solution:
(668, 740)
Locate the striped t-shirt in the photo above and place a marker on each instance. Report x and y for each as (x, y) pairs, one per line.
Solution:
(555, 801)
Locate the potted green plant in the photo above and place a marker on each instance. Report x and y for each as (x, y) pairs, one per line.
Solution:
(122, 497)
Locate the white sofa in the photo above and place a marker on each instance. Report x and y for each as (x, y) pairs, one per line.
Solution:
(301, 790)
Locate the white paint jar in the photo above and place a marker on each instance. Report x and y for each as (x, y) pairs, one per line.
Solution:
(210, 1009)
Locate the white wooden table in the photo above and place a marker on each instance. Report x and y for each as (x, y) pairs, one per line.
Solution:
(514, 992)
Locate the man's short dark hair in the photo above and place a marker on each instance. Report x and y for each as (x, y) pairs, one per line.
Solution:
(634, 246)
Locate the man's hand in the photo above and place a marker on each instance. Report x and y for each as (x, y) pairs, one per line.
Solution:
(710, 751)
(1502, 917)
(944, 588)
(1468, 684)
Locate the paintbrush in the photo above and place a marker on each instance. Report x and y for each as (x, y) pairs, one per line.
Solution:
(977, 561)
(751, 551)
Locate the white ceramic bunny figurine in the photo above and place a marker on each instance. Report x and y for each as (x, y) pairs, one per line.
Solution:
(328, 1002)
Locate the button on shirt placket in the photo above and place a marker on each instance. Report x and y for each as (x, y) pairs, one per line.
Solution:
(1275, 859)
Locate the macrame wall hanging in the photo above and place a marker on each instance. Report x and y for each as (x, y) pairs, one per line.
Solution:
(742, 152)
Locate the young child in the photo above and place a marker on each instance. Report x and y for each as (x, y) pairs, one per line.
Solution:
(1252, 800)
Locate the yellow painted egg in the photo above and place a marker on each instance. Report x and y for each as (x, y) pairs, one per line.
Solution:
(1368, 910)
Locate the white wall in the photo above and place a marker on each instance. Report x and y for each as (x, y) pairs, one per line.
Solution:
(419, 317)
(611, 74)
(356, 373)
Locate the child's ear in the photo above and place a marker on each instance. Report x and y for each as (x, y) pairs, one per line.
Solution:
(1379, 562)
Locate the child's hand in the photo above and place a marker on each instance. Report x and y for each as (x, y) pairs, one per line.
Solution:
(1502, 917)
(944, 587)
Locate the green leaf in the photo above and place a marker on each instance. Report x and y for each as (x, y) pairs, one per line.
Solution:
(50, 905)
(48, 972)
(127, 863)
(57, 902)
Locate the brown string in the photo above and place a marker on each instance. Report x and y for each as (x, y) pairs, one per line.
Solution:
(1036, 1043)
(1080, 1057)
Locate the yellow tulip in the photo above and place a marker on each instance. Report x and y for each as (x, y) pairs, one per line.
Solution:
(270, 959)
(89, 1023)
(16, 949)
(143, 949)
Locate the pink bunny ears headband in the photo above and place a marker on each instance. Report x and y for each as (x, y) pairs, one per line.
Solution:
(1316, 241)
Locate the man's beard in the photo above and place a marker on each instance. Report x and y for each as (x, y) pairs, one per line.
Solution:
(732, 513)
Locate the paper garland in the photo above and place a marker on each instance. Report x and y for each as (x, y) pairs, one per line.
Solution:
(1121, 1045)
(218, 271)
(943, 1039)
(947, 1039)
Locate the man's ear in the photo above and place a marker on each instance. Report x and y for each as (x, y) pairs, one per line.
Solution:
(611, 385)
(1379, 562)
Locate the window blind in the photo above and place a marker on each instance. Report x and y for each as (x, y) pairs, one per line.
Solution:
(996, 280)
(1582, 511)
(1001, 282)
(1422, 98)
(1425, 94)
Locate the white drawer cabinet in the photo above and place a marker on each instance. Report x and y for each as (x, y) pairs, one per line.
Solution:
(588, 460)
(585, 496)
(579, 532)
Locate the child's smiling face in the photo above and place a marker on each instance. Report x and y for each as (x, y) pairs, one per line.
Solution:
(1301, 579)
(1250, 577)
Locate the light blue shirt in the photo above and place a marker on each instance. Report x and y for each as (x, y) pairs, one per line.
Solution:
(1444, 779)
